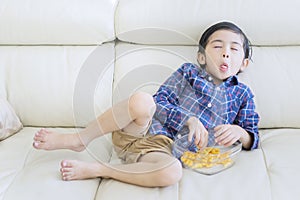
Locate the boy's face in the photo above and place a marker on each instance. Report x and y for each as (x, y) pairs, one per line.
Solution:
(224, 55)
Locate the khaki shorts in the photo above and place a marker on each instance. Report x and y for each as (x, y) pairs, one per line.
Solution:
(130, 148)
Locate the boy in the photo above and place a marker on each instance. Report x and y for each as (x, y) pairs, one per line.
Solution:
(143, 127)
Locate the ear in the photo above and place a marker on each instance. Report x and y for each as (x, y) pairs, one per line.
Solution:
(201, 58)
(244, 64)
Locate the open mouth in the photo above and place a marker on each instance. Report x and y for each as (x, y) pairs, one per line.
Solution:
(224, 67)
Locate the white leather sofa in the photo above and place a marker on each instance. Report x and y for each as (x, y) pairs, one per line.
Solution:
(64, 62)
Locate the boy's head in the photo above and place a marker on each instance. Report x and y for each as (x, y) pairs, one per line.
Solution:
(224, 51)
(225, 26)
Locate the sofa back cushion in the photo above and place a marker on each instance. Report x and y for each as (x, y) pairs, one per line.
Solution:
(64, 22)
(57, 85)
(52, 69)
(177, 22)
(272, 75)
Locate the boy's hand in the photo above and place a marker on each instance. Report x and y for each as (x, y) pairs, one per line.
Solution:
(197, 130)
(227, 134)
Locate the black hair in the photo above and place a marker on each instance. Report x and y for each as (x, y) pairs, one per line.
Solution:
(225, 26)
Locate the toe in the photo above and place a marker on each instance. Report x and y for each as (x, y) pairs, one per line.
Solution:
(37, 144)
(37, 137)
(65, 169)
(40, 135)
(66, 176)
(40, 145)
(66, 164)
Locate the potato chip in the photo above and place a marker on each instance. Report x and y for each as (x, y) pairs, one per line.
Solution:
(207, 157)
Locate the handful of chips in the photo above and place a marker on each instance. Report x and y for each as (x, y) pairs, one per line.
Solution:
(206, 158)
(209, 160)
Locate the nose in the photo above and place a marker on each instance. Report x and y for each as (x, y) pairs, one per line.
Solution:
(226, 52)
(225, 55)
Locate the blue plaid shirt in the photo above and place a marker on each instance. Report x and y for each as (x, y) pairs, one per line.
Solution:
(189, 91)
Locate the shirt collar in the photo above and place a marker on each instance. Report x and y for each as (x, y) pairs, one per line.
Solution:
(231, 81)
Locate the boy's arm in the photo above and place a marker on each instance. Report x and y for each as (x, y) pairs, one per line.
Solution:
(244, 128)
(228, 134)
(248, 119)
(168, 109)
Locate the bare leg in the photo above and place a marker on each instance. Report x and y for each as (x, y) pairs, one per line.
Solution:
(153, 170)
(135, 112)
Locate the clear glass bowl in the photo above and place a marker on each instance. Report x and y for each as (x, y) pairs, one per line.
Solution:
(209, 160)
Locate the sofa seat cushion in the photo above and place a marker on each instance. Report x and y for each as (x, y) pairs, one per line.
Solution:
(281, 151)
(108, 188)
(28, 173)
(247, 179)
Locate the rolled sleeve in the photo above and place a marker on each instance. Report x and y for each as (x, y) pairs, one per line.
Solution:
(248, 119)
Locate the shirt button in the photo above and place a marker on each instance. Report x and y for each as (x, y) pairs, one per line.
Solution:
(209, 105)
(218, 88)
(209, 78)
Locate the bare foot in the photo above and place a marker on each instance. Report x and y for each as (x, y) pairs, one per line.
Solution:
(48, 140)
(78, 170)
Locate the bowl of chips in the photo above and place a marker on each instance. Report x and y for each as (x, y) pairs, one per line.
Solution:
(208, 160)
